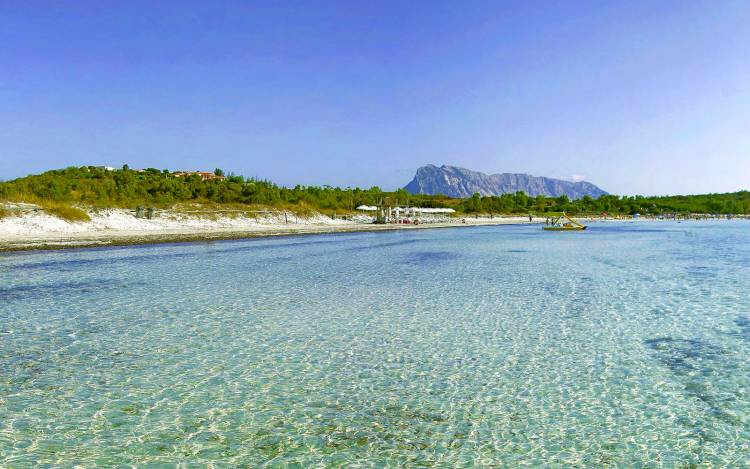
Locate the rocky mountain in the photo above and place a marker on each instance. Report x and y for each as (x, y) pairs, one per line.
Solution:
(460, 182)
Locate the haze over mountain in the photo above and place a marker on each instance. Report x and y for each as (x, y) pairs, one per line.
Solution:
(461, 182)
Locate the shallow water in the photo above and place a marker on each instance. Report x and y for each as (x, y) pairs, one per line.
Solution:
(624, 346)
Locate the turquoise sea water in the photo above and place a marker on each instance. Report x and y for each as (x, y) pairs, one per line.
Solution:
(624, 346)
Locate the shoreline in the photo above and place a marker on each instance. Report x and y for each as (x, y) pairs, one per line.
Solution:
(135, 232)
(111, 238)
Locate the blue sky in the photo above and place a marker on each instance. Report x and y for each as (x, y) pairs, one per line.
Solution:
(647, 97)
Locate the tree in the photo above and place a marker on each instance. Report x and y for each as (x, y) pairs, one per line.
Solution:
(474, 203)
(219, 172)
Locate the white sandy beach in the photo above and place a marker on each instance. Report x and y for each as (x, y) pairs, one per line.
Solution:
(38, 230)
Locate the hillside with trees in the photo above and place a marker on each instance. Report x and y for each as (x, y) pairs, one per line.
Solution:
(98, 187)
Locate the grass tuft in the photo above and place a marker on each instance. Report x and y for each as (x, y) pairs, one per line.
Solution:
(66, 212)
(4, 213)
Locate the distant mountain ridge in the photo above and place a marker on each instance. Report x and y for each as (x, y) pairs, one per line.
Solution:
(461, 182)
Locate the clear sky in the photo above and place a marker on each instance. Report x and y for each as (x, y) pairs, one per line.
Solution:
(647, 97)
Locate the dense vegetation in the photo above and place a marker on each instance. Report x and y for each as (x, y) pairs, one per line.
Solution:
(128, 188)
(99, 187)
(733, 203)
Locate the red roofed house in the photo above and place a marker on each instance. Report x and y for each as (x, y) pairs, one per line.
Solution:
(205, 176)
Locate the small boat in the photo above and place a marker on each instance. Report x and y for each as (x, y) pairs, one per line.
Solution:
(557, 224)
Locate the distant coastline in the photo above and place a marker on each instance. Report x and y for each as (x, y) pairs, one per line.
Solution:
(91, 206)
